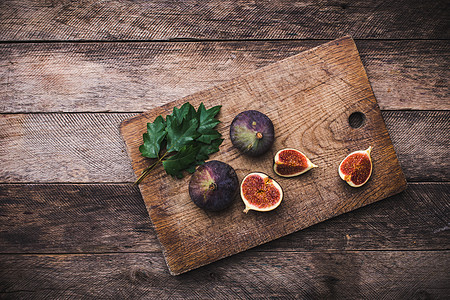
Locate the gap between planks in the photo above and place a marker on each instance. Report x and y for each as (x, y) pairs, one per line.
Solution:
(443, 182)
(140, 112)
(193, 40)
(246, 251)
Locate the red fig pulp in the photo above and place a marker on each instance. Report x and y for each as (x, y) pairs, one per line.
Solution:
(260, 192)
(356, 168)
(291, 162)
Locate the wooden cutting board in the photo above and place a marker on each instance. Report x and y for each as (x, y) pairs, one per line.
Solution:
(309, 97)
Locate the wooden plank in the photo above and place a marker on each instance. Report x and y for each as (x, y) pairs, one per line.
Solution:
(66, 148)
(171, 19)
(417, 139)
(93, 77)
(309, 98)
(255, 275)
(408, 74)
(65, 218)
(93, 218)
(63, 148)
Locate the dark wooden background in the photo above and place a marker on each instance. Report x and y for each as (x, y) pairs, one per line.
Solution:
(72, 225)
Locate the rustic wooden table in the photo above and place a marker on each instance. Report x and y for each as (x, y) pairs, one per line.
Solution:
(72, 225)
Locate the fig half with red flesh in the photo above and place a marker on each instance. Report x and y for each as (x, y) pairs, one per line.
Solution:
(260, 192)
(214, 186)
(356, 168)
(291, 162)
(252, 132)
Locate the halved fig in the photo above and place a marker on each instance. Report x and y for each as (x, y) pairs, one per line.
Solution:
(260, 192)
(290, 162)
(356, 168)
(252, 132)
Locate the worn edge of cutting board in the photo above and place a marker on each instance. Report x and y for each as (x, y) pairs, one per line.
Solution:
(183, 259)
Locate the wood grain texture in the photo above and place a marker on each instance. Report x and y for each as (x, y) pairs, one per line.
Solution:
(87, 147)
(171, 19)
(98, 218)
(70, 218)
(63, 148)
(253, 275)
(404, 47)
(420, 138)
(124, 77)
(309, 97)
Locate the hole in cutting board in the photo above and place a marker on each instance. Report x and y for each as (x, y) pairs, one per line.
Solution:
(357, 119)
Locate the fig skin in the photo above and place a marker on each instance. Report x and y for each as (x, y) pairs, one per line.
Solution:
(268, 187)
(252, 132)
(214, 186)
(360, 164)
(301, 162)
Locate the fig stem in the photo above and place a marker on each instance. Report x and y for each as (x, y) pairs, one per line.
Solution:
(259, 135)
(212, 186)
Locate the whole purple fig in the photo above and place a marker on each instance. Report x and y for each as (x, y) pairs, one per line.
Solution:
(214, 186)
(252, 132)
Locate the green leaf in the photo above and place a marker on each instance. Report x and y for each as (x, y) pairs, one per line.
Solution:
(191, 169)
(174, 165)
(206, 118)
(203, 153)
(180, 134)
(186, 111)
(189, 136)
(153, 138)
(208, 136)
(206, 150)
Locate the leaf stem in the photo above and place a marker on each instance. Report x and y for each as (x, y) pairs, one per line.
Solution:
(147, 170)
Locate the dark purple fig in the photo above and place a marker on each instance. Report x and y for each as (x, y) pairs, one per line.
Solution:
(214, 186)
(252, 132)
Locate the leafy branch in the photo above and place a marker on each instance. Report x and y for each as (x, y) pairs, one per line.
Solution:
(189, 137)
